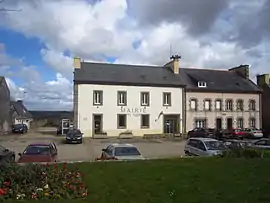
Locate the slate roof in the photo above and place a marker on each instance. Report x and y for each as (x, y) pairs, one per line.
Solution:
(118, 74)
(216, 81)
(20, 109)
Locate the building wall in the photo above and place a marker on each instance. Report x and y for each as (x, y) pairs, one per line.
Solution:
(109, 109)
(213, 114)
(23, 121)
(266, 109)
(5, 117)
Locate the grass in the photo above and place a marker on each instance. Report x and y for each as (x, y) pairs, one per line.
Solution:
(209, 180)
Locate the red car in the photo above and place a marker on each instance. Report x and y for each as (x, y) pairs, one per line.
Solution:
(238, 133)
(39, 152)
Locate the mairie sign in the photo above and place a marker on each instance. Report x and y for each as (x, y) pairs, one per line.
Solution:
(133, 110)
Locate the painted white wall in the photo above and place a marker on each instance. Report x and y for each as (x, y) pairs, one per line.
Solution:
(23, 121)
(109, 109)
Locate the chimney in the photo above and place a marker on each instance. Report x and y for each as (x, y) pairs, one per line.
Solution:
(263, 80)
(77, 62)
(174, 64)
(242, 70)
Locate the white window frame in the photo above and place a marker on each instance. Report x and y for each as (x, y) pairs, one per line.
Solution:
(252, 122)
(122, 98)
(218, 101)
(240, 123)
(97, 97)
(167, 100)
(202, 84)
(193, 104)
(200, 123)
(207, 107)
(252, 103)
(145, 98)
(229, 101)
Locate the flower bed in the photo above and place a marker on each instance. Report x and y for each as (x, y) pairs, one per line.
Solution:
(36, 181)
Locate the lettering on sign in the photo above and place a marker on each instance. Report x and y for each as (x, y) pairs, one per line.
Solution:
(133, 110)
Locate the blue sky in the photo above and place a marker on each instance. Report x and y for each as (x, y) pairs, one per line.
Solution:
(44, 36)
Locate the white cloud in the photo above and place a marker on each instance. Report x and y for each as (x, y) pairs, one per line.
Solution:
(107, 28)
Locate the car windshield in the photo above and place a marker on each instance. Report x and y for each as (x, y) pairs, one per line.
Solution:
(126, 151)
(37, 150)
(73, 132)
(214, 145)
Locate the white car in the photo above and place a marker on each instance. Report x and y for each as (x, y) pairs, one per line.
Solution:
(197, 146)
(117, 151)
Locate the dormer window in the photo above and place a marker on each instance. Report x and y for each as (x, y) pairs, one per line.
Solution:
(201, 84)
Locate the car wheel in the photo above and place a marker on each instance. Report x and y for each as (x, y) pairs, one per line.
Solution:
(187, 153)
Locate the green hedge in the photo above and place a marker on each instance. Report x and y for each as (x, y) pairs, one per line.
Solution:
(246, 153)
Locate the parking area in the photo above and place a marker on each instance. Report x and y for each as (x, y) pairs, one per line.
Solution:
(91, 148)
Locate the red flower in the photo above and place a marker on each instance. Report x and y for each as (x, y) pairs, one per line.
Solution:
(6, 183)
(3, 191)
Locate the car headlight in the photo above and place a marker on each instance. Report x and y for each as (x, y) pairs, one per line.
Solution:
(68, 138)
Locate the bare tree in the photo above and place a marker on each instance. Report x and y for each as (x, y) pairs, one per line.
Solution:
(6, 9)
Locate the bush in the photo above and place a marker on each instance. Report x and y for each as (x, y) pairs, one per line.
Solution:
(35, 181)
(246, 153)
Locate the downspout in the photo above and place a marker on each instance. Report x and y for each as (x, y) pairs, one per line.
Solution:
(184, 112)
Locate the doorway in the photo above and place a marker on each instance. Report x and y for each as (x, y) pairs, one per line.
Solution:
(219, 123)
(171, 124)
(229, 123)
(97, 123)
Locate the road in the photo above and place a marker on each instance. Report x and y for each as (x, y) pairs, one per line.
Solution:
(91, 148)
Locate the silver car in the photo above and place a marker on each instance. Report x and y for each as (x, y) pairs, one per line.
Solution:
(204, 147)
(121, 152)
(263, 143)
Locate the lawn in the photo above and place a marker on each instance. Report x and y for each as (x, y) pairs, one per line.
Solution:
(177, 180)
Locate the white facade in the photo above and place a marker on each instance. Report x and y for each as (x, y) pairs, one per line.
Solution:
(23, 121)
(84, 109)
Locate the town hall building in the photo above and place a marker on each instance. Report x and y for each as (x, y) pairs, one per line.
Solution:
(128, 100)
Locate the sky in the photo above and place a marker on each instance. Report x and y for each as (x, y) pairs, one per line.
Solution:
(39, 38)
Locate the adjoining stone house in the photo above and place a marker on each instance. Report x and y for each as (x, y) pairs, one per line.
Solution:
(5, 120)
(264, 82)
(222, 99)
(20, 114)
(115, 99)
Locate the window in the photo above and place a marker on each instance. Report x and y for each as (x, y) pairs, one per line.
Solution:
(145, 99)
(167, 100)
(218, 105)
(193, 104)
(240, 105)
(200, 123)
(201, 146)
(252, 105)
(97, 97)
(201, 84)
(207, 105)
(121, 98)
(252, 123)
(145, 121)
(229, 105)
(240, 123)
(122, 121)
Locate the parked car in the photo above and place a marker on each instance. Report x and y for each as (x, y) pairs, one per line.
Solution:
(204, 147)
(6, 155)
(238, 133)
(254, 133)
(121, 152)
(39, 152)
(74, 136)
(233, 144)
(20, 128)
(263, 143)
(198, 132)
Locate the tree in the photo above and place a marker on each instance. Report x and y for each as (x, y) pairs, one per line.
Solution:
(2, 9)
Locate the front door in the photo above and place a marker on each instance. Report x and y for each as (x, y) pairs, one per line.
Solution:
(229, 123)
(218, 123)
(171, 124)
(97, 124)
